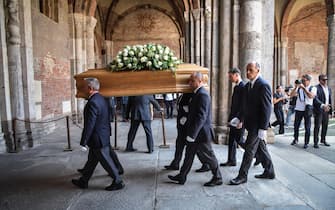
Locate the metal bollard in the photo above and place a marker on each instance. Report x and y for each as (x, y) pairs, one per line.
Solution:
(68, 136)
(164, 137)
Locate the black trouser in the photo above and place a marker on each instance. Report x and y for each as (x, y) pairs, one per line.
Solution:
(103, 157)
(280, 120)
(114, 158)
(180, 145)
(252, 145)
(169, 109)
(205, 149)
(235, 138)
(297, 121)
(132, 133)
(320, 118)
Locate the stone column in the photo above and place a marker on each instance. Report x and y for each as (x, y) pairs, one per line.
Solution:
(90, 25)
(3, 82)
(79, 56)
(202, 37)
(191, 41)
(225, 56)
(196, 16)
(235, 38)
(331, 55)
(250, 45)
(27, 67)
(15, 72)
(215, 62)
(283, 61)
(187, 58)
(109, 51)
(208, 29)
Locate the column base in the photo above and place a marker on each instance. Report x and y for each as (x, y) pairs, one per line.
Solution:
(221, 136)
(270, 136)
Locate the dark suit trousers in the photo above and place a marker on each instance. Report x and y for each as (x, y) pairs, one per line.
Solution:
(132, 133)
(320, 118)
(280, 119)
(208, 156)
(235, 138)
(103, 156)
(254, 144)
(297, 121)
(180, 145)
(114, 158)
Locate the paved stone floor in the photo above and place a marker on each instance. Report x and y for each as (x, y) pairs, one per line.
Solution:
(40, 178)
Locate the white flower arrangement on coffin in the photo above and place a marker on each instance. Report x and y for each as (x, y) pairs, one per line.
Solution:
(145, 57)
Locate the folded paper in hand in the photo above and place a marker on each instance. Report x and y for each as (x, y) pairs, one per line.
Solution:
(234, 122)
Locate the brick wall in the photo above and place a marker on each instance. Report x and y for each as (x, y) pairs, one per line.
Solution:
(307, 41)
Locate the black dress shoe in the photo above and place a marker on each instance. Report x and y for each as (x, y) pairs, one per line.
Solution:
(213, 182)
(316, 146)
(238, 180)
(172, 168)
(265, 176)
(79, 183)
(131, 150)
(294, 142)
(178, 179)
(326, 144)
(228, 164)
(305, 146)
(115, 186)
(80, 170)
(203, 168)
(150, 151)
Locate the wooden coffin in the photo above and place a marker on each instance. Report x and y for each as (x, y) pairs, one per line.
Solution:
(130, 83)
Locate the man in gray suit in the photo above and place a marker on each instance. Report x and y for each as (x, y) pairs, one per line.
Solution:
(139, 107)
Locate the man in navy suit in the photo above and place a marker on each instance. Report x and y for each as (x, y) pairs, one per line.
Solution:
(199, 133)
(322, 110)
(96, 135)
(139, 107)
(256, 117)
(183, 109)
(236, 128)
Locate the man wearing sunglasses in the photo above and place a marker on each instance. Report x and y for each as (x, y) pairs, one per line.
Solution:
(322, 110)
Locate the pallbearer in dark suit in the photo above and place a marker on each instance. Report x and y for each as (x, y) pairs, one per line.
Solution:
(256, 116)
(183, 102)
(199, 133)
(322, 109)
(139, 107)
(236, 128)
(96, 135)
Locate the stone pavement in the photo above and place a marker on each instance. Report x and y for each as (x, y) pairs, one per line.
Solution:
(40, 178)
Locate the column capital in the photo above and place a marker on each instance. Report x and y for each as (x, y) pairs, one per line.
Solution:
(196, 14)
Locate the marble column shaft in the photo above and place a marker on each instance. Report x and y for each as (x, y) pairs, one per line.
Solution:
(196, 16)
(331, 55)
(250, 43)
(283, 61)
(235, 38)
(15, 70)
(224, 58)
(208, 29)
(214, 71)
(187, 41)
(90, 25)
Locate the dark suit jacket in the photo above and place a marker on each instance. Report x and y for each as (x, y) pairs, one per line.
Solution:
(139, 107)
(320, 98)
(97, 128)
(237, 101)
(257, 105)
(199, 119)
